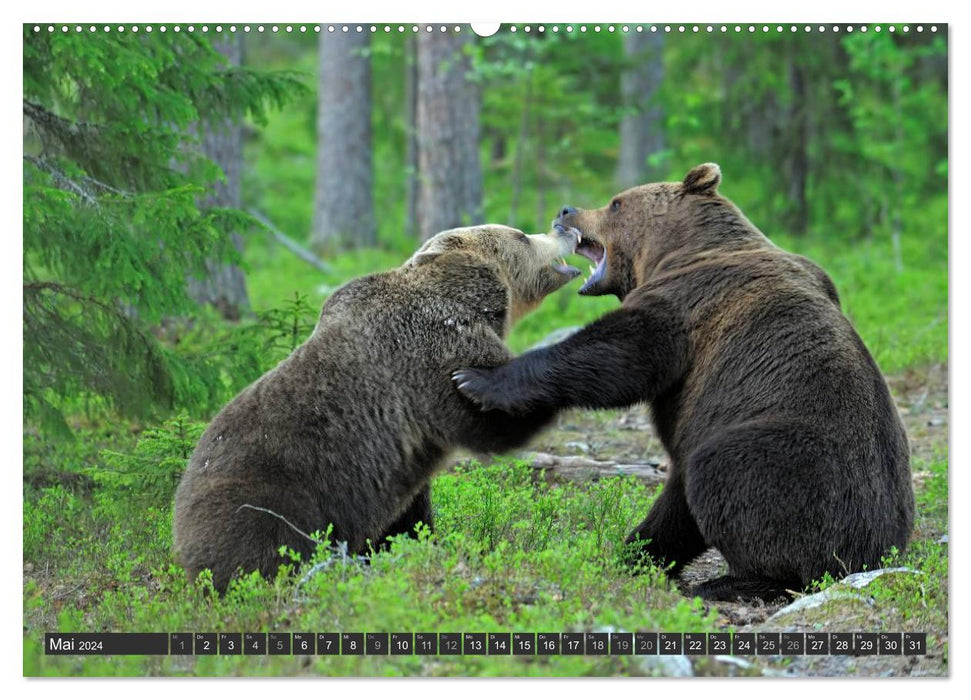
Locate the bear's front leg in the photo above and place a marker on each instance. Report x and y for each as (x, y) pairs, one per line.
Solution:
(509, 388)
(629, 355)
(669, 535)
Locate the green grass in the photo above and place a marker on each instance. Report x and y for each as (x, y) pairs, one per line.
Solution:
(510, 554)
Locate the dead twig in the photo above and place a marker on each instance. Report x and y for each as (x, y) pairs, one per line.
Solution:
(277, 515)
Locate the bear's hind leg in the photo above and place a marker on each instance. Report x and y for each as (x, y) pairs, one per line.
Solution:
(228, 526)
(669, 534)
(771, 498)
(419, 511)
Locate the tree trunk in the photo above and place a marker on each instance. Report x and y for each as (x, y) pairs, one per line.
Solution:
(642, 126)
(224, 286)
(518, 161)
(411, 122)
(544, 216)
(797, 156)
(344, 197)
(450, 176)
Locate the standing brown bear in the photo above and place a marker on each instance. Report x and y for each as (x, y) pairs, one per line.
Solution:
(351, 427)
(787, 453)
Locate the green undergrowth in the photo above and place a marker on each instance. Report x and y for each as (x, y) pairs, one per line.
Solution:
(509, 554)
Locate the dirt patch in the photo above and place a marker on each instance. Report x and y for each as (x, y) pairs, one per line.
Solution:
(922, 398)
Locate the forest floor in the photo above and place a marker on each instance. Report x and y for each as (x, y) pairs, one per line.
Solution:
(585, 446)
(529, 544)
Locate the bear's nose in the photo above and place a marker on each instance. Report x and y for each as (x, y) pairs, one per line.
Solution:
(566, 211)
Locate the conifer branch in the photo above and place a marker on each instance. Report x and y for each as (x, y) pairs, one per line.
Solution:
(63, 182)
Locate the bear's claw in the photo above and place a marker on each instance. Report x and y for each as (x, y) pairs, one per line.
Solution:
(473, 385)
(490, 390)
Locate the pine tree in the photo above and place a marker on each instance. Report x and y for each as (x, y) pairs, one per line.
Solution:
(224, 285)
(113, 180)
(450, 174)
(344, 198)
(642, 125)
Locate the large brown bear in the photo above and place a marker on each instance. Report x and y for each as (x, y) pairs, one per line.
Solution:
(787, 453)
(350, 428)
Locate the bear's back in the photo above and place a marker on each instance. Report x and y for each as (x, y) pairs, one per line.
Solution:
(769, 341)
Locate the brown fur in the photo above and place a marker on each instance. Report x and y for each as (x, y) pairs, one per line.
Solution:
(350, 428)
(787, 453)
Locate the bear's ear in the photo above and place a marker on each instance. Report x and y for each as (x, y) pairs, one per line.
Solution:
(435, 246)
(703, 179)
(422, 257)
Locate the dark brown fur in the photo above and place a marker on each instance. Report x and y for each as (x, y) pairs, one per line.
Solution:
(787, 453)
(350, 428)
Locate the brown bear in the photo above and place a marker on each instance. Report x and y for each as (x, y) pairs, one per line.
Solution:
(787, 453)
(351, 427)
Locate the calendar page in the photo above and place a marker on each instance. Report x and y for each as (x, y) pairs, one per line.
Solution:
(372, 349)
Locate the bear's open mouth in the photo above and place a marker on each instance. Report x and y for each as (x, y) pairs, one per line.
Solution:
(561, 267)
(594, 251)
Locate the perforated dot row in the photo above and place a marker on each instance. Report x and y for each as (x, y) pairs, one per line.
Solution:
(273, 28)
(415, 28)
(712, 28)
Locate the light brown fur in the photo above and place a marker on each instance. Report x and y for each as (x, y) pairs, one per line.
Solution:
(350, 428)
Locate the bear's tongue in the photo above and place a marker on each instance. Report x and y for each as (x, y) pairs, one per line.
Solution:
(596, 274)
(594, 252)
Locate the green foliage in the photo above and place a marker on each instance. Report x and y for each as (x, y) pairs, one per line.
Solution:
(281, 155)
(285, 328)
(47, 518)
(113, 177)
(543, 557)
(502, 503)
(918, 599)
(933, 497)
(870, 157)
(147, 476)
(550, 116)
(891, 102)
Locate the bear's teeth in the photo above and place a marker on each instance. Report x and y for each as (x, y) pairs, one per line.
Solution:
(579, 238)
(592, 270)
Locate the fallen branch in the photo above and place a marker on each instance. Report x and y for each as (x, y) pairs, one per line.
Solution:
(575, 467)
(291, 244)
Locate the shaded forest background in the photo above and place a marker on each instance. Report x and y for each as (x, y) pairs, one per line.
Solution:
(191, 199)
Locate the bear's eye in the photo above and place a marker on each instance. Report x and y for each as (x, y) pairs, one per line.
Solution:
(615, 205)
